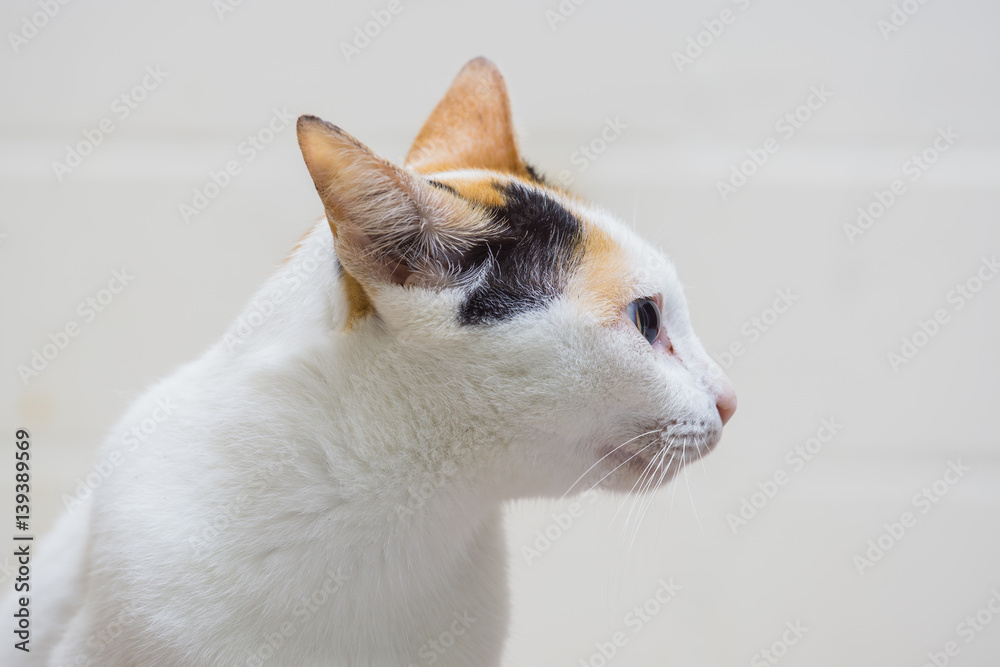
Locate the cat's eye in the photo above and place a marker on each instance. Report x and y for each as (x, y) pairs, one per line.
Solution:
(645, 315)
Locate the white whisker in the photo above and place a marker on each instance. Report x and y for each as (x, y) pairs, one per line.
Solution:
(673, 494)
(596, 463)
(636, 497)
(645, 447)
(687, 482)
(633, 497)
(645, 507)
(630, 497)
(631, 493)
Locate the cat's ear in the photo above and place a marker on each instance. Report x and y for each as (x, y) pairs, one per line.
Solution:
(388, 224)
(471, 127)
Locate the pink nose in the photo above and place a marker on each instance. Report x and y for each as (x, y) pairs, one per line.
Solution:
(726, 402)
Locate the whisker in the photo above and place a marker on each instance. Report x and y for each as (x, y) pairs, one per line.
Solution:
(634, 497)
(630, 497)
(645, 507)
(687, 483)
(638, 503)
(673, 494)
(596, 463)
(631, 491)
(645, 447)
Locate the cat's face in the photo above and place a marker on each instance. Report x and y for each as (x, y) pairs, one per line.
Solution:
(538, 312)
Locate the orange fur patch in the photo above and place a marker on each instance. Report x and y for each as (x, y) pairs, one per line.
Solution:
(599, 284)
(478, 189)
(359, 306)
(298, 244)
(471, 127)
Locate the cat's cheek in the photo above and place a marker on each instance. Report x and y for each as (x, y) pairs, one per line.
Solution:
(660, 345)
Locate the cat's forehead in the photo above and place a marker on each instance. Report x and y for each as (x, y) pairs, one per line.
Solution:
(552, 245)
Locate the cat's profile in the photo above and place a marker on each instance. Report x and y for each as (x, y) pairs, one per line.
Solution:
(454, 331)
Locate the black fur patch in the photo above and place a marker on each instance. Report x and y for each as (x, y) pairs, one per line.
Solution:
(535, 175)
(444, 186)
(537, 246)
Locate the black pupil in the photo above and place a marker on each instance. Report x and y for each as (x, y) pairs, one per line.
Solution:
(647, 319)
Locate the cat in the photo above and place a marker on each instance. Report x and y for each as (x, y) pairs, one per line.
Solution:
(325, 484)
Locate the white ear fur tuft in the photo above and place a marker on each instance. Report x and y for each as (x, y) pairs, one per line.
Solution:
(388, 223)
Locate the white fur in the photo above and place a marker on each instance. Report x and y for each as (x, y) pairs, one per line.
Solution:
(371, 462)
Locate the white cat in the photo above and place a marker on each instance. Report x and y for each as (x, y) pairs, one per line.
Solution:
(324, 486)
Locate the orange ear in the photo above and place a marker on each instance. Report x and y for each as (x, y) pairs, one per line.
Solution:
(471, 127)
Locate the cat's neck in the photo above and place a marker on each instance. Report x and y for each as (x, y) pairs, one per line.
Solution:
(358, 415)
(375, 481)
(388, 419)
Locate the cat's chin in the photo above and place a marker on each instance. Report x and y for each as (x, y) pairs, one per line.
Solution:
(652, 459)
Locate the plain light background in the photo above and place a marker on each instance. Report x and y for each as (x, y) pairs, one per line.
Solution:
(684, 129)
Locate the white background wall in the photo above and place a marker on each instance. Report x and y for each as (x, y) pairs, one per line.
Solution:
(826, 357)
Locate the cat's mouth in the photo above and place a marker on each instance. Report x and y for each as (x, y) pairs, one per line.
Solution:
(652, 458)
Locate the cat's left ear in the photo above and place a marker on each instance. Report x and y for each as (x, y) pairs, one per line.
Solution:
(389, 225)
(471, 128)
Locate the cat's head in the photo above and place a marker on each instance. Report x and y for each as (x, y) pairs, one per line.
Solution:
(534, 313)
